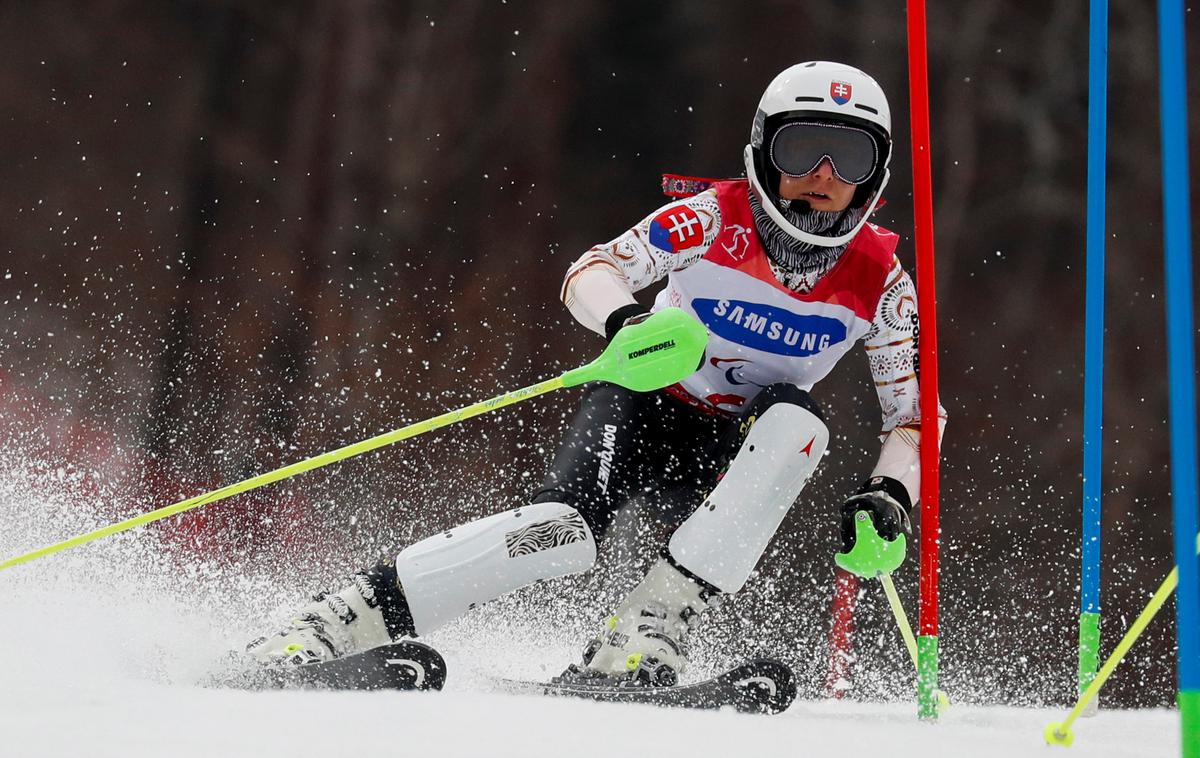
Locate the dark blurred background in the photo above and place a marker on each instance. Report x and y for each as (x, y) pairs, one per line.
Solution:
(236, 234)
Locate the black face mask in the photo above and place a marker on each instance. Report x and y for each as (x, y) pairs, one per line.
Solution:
(793, 254)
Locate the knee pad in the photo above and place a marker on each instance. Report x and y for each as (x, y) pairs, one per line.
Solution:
(782, 392)
(773, 394)
(446, 575)
(722, 541)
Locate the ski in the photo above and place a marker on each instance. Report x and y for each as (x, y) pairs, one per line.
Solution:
(760, 685)
(404, 665)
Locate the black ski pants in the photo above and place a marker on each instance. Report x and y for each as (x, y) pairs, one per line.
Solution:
(622, 444)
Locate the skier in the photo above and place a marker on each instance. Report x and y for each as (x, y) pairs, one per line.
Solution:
(786, 273)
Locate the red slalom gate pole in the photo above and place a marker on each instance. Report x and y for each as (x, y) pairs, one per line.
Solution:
(841, 634)
(927, 638)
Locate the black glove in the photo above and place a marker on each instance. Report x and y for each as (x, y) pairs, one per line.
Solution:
(626, 314)
(887, 501)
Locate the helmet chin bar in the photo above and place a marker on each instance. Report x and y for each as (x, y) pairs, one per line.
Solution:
(787, 226)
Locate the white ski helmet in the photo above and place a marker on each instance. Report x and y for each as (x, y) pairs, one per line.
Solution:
(820, 92)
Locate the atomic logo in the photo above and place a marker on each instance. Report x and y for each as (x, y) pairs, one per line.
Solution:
(841, 92)
(807, 449)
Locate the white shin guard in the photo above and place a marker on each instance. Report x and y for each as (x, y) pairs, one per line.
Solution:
(446, 575)
(722, 541)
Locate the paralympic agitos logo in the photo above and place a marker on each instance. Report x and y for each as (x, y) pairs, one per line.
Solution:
(767, 328)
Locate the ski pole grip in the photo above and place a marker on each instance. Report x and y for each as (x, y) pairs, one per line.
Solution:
(655, 353)
(871, 555)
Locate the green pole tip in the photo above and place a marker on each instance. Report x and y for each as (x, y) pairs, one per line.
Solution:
(1055, 735)
(665, 348)
(871, 555)
(943, 701)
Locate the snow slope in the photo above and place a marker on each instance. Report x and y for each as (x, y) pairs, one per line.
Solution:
(101, 669)
(106, 647)
(55, 717)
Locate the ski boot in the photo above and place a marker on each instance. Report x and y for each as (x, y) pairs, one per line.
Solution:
(331, 626)
(645, 641)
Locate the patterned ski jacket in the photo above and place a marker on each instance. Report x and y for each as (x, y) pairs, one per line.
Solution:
(762, 332)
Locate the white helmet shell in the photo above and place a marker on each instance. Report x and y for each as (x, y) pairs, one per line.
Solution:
(820, 91)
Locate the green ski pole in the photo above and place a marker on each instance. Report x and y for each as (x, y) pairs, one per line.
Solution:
(663, 349)
(873, 557)
(910, 641)
(1059, 733)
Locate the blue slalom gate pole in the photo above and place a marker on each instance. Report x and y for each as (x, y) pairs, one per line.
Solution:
(1093, 370)
(1181, 360)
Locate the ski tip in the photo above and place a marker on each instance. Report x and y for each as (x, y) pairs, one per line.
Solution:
(764, 685)
(757, 686)
(409, 665)
(403, 666)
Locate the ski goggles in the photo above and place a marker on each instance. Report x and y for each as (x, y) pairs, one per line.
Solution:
(798, 148)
